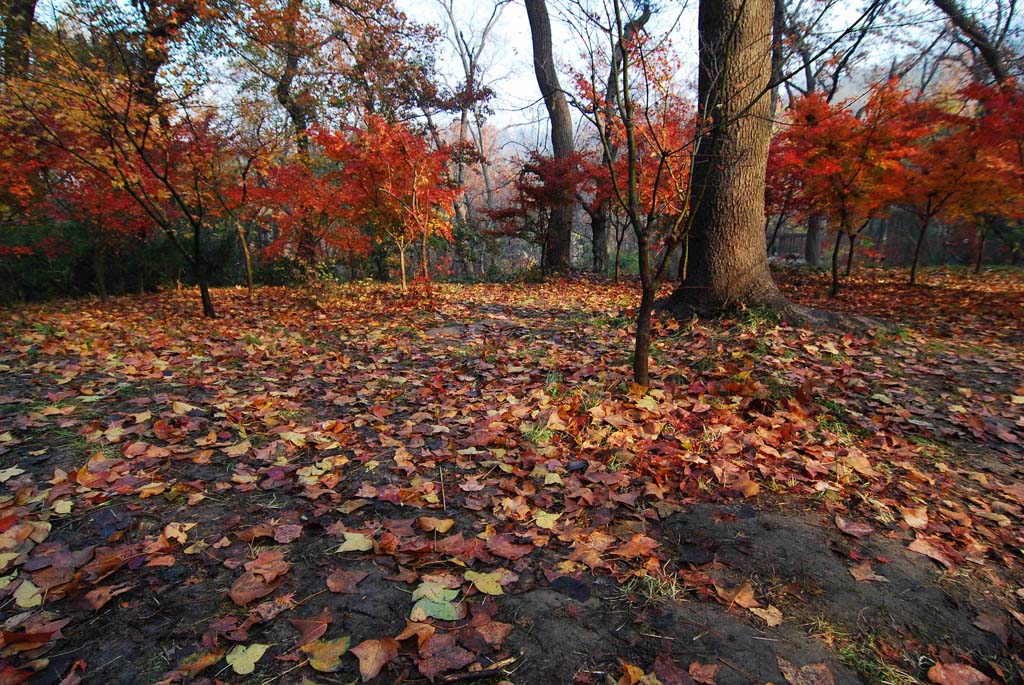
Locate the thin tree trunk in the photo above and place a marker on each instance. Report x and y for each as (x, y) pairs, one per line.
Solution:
(642, 342)
(849, 255)
(981, 246)
(100, 264)
(247, 256)
(423, 259)
(917, 249)
(834, 290)
(401, 261)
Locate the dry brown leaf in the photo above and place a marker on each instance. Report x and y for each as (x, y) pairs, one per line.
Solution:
(864, 573)
(956, 674)
(857, 530)
(374, 655)
(811, 674)
(742, 595)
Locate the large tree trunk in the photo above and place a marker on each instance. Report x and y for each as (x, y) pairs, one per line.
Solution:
(812, 244)
(728, 261)
(557, 250)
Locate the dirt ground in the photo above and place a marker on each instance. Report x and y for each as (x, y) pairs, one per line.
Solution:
(783, 506)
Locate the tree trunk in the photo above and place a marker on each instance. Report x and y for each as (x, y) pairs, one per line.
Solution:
(728, 260)
(558, 246)
(100, 264)
(917, 248)
(834, 290)
(204, 291)
(599, 232)
(849, 255)
(248, 261)
(981, 246)
(401, 261)
(812, 245)
(642, 342)
(18, 20)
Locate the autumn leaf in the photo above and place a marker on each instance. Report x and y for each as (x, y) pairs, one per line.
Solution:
(956, 674)
(638, 546)
(742, 595)
(345, 581)
(857, 530)
(770, 615)
(487, 583)
(242, 660)
(325, 655)
(811, 674)
(434, 525)
(374, 655)
(440, 653)
(916, 517)
(864, 573)
(355, 542)
(704, 673)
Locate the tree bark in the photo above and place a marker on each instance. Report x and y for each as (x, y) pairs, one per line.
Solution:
(247, 255)
(849, 255)
(812, 244)
(981, 246)
(981, 39)
(558, 245)
(728, 260)
(917, 249)
(18, 21)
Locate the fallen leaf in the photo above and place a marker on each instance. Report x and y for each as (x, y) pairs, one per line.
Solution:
(373, 655)
(811, 674)
(993, 624)
(704, 673)
(432, 525)
(242, 660)
(440, 653)
(857, 530)
(345, 581)
(355, 542)
(487, 583)
(27, 595)
(916, 517)
(864, 573)
(638, 546)
(772, 616)
(742, 595)
(956, 674)
(545, 520)
(325, 655)
(922, 546)
(311, 629)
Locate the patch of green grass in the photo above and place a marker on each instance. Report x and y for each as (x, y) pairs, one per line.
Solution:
(538, 435)
(755, 318)
(653, 590)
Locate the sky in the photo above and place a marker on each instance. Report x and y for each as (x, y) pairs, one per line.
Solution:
(518, 109)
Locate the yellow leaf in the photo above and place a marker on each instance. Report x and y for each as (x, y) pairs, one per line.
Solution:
(238, 449)
(297, 439)
(355, 542)
(771, 615)
(27, 595)
(243, 659)
(62, 506)
(487, 583)
(325, 655)
(545, 520)
(182, 407)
